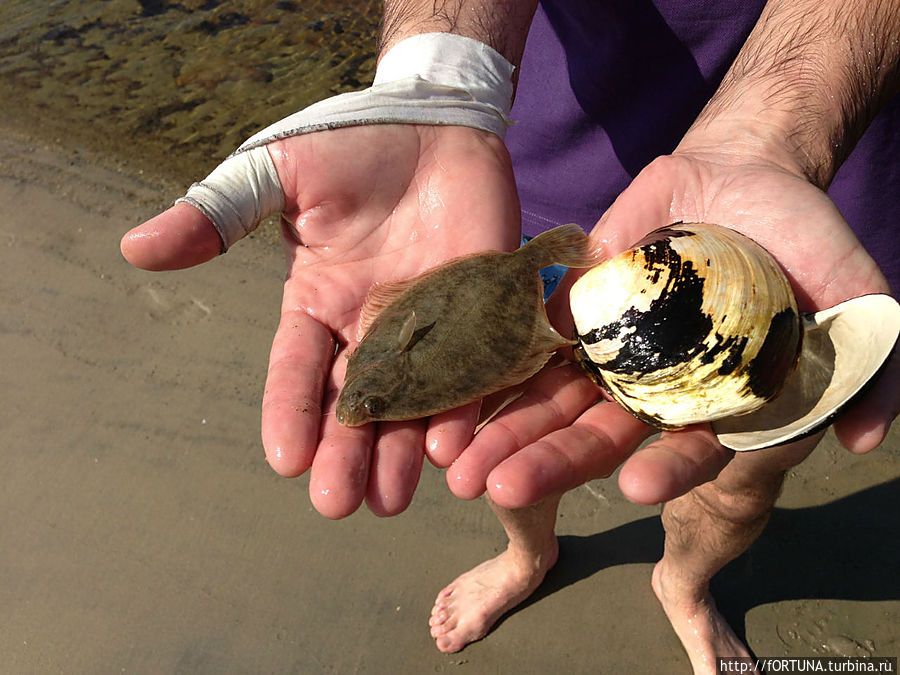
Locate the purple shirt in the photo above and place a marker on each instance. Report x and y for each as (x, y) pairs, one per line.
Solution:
(606, 87)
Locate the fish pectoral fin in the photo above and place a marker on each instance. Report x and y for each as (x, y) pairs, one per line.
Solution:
(410, 334)
(405, 338)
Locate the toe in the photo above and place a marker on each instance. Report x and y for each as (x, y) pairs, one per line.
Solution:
(447, 644)
(441, 629)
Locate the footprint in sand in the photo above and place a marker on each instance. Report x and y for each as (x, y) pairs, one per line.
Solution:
(169, 305)
(842, 645)
(810, 630)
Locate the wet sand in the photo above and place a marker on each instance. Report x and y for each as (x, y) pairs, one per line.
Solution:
(192, 79)
(143, 532)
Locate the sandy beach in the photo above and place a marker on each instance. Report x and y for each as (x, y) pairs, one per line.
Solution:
(143, 531)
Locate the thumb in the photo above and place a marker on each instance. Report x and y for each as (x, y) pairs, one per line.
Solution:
(216, 212)
(178, 237)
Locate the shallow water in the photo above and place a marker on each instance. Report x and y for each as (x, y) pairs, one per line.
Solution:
(175, 85)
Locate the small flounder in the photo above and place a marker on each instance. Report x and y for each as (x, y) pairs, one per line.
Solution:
(465, 329)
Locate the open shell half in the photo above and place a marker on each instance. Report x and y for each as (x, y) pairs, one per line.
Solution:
(844, 347)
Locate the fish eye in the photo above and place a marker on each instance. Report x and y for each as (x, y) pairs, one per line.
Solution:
(375, 406)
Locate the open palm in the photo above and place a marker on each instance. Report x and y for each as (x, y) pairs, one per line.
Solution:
(566, 438)
(363, 205)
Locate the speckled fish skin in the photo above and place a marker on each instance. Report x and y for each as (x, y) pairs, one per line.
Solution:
(468, 328)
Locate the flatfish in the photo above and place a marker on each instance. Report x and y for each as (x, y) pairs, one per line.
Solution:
(465, 329)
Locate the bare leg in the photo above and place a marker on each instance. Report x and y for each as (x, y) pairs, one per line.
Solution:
(707, 528)
(466, 609)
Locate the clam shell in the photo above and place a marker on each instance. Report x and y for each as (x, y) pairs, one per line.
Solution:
(636, 315)
(695, 323)
(844, 347)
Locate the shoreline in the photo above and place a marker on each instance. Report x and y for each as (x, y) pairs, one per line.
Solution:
(172, 86)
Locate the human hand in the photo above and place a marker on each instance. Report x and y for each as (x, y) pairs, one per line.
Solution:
(363, 204)
(554, 439)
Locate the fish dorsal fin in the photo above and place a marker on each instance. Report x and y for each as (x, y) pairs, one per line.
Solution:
(404, 340)
(379, 297)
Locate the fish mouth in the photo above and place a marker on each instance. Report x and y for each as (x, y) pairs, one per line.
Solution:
(346, 417)
(342, 412)
(351, 422)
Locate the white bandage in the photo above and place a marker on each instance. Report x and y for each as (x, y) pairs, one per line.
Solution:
(435, 78)
(238, 194)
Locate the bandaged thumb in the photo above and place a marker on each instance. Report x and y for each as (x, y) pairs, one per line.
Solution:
(434, 78)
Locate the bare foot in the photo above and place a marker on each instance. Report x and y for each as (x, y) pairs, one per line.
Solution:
(704, 633)
(466, 609)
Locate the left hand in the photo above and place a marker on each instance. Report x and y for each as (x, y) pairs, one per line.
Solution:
(363, 204)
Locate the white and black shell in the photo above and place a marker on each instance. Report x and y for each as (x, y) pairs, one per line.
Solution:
(695, 323)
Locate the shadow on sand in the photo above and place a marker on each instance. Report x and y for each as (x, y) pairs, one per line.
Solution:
(846, 550)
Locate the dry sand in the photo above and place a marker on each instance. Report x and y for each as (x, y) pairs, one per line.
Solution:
(143, 532)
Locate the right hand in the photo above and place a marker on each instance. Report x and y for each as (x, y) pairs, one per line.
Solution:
(363, 205)
(555, 437)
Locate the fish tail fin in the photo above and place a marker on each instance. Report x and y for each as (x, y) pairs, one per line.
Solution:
(566, 245)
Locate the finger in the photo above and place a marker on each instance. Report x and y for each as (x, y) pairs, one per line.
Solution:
(593, 447)
(299, 363)
(176, 238)
(866, 422)
(449, 433)
(340, 469)
(554, 399)
(396, 466)
(672, 465)
(637, 210)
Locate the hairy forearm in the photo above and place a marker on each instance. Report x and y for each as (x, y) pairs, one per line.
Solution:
(810, 78)
(500, 24)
